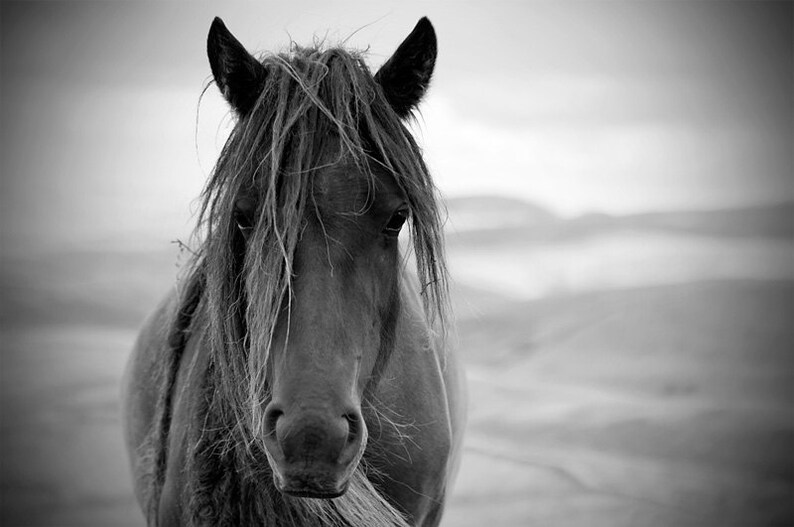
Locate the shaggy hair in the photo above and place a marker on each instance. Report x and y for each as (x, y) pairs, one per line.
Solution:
(316, 105)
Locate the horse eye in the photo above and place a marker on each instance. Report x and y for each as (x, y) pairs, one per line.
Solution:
(243, 214)
(243, 221)
(396, 222)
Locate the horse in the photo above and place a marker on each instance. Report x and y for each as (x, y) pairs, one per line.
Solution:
(299, 372)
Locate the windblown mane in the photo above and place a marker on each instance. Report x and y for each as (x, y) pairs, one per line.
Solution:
(316, 106)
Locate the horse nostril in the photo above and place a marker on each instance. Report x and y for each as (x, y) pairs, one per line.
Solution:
(353, 426)
(356, 437)
(313, 435)
(270, 437)
(272, 415)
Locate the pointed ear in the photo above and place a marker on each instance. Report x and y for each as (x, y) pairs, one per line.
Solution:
(405, 77)
(239, 76)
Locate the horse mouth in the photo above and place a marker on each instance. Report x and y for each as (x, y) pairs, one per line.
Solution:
(305, 488)
(312, 493)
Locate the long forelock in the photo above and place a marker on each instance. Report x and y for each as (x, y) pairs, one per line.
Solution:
(309, 94)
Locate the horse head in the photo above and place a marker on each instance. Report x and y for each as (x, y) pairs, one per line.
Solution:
(323, 178)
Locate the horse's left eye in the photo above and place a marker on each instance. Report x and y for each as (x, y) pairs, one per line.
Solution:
(396, 222)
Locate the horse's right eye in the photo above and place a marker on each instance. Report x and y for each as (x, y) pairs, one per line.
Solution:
(243, 214)
(243, 221)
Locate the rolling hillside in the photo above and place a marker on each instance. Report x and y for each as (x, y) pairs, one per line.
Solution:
(630, 371)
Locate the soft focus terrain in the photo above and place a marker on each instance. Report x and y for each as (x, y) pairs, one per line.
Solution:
(632, 371)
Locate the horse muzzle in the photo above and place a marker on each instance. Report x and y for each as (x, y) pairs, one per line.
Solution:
(313, 452)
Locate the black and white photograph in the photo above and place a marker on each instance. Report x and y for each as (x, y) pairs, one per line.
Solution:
(390, 264)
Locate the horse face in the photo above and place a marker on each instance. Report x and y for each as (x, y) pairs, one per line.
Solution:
(335, 323)
(332, 331)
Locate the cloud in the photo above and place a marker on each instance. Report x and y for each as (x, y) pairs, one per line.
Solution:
(612, 106)
(616, 167)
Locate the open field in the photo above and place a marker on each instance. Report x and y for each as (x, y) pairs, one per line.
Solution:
(651, 384)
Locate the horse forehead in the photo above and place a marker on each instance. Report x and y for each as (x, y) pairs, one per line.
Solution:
(340, 182)
(346, 187)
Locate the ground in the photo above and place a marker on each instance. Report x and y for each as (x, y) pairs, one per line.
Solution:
(658, 393)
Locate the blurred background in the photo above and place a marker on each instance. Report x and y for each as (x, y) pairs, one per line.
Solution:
(619, 178)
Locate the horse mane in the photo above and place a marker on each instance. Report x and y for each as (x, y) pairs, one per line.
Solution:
(316, 106)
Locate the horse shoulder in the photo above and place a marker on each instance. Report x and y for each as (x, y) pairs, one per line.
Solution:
(156, 374)
(140, 390)
(186, 393)
(457, 404)
(420, 392)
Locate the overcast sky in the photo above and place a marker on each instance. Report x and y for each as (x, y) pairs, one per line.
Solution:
(576, 106)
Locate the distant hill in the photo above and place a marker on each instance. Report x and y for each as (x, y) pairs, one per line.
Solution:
(489, 212)
(765, 221)
(477, 220)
